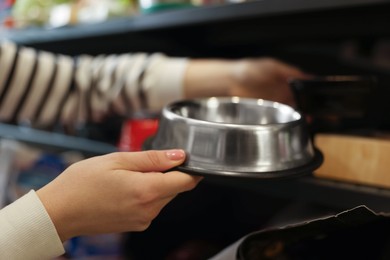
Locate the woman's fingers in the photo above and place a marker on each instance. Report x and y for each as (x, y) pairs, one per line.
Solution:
(159, 185)
(175, 182)
(167, 187)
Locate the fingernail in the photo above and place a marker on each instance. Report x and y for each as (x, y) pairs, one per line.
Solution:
(175, 155)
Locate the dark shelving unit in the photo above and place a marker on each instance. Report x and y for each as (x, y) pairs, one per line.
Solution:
(194, 16)
(55, 141)
(218, 29)
(312, 189)
(310, 33)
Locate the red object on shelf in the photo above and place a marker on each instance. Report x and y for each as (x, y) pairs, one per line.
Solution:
(135, 132)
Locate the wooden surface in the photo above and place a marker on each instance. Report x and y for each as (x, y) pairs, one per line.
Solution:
(364, 160)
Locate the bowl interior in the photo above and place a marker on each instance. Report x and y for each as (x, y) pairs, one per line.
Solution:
(236, 111)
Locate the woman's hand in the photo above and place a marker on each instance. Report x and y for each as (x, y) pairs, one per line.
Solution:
(117, 192)
(265, 78)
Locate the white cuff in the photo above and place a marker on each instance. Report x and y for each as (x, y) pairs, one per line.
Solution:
(163, 81)
(27, 231)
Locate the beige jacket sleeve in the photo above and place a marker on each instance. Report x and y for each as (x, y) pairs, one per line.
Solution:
(27, 232)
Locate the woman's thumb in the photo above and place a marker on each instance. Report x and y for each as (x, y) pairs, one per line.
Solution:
(154, 160)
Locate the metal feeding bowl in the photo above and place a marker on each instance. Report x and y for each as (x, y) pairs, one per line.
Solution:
(238, 137)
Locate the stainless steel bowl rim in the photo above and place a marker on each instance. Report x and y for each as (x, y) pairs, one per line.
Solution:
(202, 123)
(168, 113)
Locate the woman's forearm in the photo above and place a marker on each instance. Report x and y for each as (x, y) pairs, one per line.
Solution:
(208, 78)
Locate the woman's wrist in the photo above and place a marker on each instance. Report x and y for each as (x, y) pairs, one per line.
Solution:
(204, 78)
(57, 211)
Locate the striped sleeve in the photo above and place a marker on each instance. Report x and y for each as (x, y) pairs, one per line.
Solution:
(41, 88)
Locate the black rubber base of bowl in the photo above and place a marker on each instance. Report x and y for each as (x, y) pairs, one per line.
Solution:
(306, 169)
(282, 174)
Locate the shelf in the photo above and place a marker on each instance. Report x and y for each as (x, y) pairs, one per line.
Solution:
(317, 190)
(309, 188)
(258, 19)
(54, 141)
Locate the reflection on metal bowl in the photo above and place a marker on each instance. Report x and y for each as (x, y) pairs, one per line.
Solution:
(237, 137)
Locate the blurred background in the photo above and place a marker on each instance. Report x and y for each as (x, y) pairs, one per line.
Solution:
(323, 37)
(57, 13)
